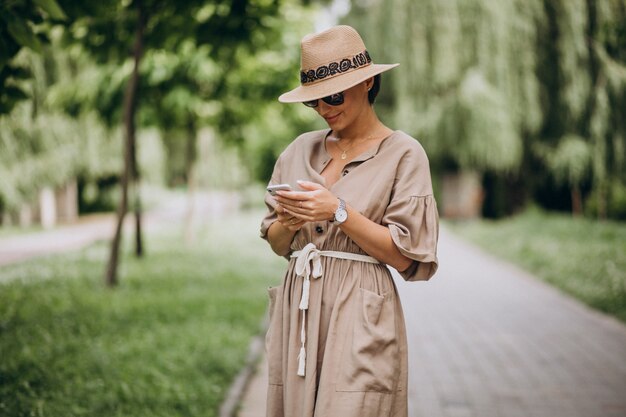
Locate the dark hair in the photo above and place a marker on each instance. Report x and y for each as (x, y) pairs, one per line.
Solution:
(371, 95)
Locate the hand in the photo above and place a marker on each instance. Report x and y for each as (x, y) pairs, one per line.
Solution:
(314, 204)
(287, 220)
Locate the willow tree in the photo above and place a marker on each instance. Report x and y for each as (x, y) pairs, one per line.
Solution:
(569, 164)
(538, 69)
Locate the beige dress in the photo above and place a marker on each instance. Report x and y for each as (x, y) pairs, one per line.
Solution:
(356, 350)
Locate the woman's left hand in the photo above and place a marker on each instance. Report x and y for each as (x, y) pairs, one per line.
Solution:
(314, 204)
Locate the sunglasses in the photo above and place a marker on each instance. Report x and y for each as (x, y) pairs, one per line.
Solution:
(333, 100)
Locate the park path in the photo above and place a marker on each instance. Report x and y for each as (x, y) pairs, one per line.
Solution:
(489, 340)
(171, 211)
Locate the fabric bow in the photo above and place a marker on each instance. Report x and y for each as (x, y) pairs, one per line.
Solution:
(308, 256)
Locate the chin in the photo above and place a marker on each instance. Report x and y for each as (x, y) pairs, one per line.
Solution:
(335, 125)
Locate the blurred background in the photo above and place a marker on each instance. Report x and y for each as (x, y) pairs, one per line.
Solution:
(136, 137)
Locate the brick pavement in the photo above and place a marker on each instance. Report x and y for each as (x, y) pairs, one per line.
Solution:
(488, 340)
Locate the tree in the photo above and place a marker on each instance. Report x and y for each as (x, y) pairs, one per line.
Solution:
(569, 164)
(481, 82)
(44, 140)
(224, 26)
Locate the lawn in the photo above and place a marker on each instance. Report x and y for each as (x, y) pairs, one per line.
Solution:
(583, 257)
(167, 342)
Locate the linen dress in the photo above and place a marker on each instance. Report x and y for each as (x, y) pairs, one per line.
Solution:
(356, 349)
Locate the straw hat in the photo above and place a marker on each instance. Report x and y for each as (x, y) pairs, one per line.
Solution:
(332, 61)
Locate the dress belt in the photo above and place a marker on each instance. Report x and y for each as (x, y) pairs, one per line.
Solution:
(307, 258)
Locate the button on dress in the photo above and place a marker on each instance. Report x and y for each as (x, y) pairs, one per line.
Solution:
(356, 348)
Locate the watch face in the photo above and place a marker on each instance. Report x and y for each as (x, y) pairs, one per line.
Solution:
(341, 216)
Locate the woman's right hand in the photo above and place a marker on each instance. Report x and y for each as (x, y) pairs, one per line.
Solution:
(288, 221)
(281, 232)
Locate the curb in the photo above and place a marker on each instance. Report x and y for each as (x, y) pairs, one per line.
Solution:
(238, 388)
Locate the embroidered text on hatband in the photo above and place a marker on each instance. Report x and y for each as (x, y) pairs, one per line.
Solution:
(333, 68)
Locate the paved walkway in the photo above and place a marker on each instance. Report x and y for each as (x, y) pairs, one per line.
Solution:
(208, 206)
(488, 340)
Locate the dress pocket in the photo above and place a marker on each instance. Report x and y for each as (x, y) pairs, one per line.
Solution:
(274, 336)
(370, 357)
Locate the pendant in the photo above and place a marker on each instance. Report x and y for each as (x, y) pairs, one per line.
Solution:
(343, 155)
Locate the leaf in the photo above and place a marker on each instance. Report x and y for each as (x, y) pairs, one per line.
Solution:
(14, 93)
(18, 72)
(23, 34)
(52, 8)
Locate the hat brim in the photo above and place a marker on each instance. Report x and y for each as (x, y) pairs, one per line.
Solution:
(333, 85)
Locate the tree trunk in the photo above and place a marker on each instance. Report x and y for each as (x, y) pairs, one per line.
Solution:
(136, 188)
(190, 156)
(130, 102)
(139, 249)
(577, 202)
(601, 201)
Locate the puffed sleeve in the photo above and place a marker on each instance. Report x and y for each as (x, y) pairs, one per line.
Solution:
(270, 202)
(412, 216)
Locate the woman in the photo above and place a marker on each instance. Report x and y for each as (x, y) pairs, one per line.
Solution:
(336, 345)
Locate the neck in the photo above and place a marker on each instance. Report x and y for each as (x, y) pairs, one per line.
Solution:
(366, 125)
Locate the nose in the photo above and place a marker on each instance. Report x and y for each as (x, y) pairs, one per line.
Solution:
(322, 108)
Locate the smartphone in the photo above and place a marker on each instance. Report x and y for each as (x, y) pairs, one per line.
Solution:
(279, 187)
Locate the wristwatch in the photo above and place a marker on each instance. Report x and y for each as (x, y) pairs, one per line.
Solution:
(341, 215)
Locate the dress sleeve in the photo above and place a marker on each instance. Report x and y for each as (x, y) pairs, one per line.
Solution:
(412, 216)
(270, 202)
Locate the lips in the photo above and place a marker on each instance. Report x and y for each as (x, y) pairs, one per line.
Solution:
(330, 119)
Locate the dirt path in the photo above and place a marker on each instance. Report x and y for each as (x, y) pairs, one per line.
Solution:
(208, 206)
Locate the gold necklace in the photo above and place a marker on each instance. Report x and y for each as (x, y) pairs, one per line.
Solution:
(344, 152)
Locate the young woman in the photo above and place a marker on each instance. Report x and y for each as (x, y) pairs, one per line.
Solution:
(361, 199)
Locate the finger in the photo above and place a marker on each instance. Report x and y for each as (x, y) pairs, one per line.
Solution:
(309, 185)
(304, 217)
(294, 195)
(296, 211)
(294, 223)
(295, 205)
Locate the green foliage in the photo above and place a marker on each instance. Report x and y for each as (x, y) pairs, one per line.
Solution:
(40, 144)
(476, 129)
(483, 84)
(251, 116)
(222, 68)
(167, 342)
(49, 149)
(569, 162)
(614, 208)
(191, 76)
(22, 25)
(583, 257)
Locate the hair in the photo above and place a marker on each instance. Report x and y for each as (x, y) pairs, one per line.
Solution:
(371, 95)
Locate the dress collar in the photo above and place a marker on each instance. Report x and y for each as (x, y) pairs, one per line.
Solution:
(322, 157)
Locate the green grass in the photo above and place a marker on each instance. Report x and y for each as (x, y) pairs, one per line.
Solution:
(167, 342)
(583, 257)
(8, 231)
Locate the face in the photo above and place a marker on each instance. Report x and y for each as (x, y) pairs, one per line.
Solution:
(354, 104)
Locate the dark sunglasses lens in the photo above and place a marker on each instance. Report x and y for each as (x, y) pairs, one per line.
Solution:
(334, 100)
